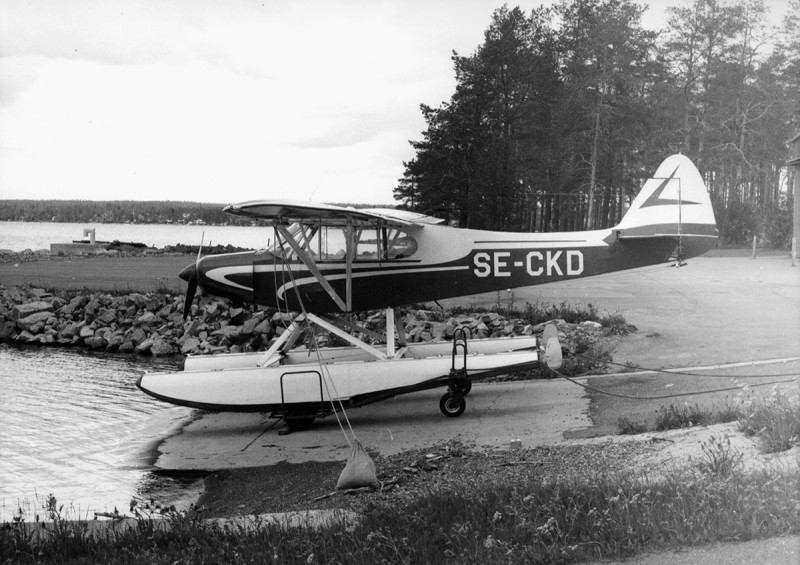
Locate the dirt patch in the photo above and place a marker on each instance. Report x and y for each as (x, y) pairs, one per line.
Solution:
(305, 486)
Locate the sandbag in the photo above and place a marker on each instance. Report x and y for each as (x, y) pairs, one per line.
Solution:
(359, 470)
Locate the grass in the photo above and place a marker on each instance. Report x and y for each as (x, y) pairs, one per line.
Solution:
(772, 417)
(528, 521)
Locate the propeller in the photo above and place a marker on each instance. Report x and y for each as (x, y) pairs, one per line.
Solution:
(189, 274)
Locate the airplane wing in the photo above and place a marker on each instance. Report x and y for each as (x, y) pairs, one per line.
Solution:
(287, 211)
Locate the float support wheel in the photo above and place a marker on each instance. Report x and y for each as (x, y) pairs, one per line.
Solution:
(452, 404)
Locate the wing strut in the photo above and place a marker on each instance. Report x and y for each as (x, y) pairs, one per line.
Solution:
(309, 262)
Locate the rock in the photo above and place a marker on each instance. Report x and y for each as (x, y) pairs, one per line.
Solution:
(107, 317)
(145, 346)
(25, 310)
(40, 293)
(86, 332)
(95, 342)
(115, 342)
(57, 302)
(137, 336)
(146, 318)
(283, 318)
(249, 326)
(189, 345)
(37, 319)
(263, 327)
(591, 325)
(160, 348)
(7, 329)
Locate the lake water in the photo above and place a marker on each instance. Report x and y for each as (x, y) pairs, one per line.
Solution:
(18, 236)
(75, 425)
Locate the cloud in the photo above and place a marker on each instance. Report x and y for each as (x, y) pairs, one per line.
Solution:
(206, 100)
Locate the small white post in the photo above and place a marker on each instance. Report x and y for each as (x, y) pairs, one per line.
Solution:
(755, 239)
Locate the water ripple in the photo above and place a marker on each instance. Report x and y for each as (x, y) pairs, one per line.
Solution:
(75, 425)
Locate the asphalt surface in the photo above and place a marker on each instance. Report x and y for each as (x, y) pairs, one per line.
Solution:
(712, 311)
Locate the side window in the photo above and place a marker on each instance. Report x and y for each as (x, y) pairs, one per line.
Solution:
(333, 245)
(367, 245)
(399, 245)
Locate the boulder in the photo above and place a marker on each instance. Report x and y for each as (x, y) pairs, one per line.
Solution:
(146, 318)
(263, 327)
(108, 316)
(7, 329)
(160, 348)
(37, 319)
(189, 345)
(25, 310)
(95, 342)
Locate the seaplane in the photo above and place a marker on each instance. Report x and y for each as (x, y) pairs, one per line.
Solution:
(326, 261)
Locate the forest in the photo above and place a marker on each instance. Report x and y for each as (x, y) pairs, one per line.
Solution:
(562, 113)
(116, 212)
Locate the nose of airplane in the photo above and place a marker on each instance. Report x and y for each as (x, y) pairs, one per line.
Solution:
(190, 272)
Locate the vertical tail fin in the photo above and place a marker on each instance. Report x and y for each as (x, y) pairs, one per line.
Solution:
(674, 203)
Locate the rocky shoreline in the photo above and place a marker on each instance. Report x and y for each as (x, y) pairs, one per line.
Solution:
(152, 324)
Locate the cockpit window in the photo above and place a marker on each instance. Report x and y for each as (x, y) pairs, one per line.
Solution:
(399, 245)
(329, 243)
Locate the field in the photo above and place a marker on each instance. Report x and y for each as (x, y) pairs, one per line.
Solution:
(114, 274)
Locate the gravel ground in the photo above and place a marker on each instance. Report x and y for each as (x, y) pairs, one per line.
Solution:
(305, 486)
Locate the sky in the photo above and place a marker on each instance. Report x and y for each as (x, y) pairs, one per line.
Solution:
(229, 101)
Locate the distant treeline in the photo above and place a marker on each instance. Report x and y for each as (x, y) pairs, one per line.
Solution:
(121, 212)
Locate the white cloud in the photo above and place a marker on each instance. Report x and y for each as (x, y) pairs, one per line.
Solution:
(222, 101)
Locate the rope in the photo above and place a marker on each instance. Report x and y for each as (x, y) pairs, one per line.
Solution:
(673, 372)
(666, 396)
(324, 372)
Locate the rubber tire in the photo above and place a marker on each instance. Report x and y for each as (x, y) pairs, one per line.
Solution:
(467, 388)
(445, 405)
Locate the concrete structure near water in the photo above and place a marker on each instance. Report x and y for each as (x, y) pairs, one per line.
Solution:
(80, 247)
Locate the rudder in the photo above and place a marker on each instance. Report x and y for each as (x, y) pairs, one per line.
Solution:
(673, 203)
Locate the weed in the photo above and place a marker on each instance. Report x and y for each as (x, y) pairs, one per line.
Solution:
(677, 416)
(626, 426)
(720, 460)
(616, 324)
(773, 417)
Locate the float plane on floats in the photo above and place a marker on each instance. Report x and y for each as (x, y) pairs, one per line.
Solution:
(331, 259)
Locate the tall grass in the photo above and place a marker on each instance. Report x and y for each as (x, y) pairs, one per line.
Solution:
(528, 521)
(773, 417)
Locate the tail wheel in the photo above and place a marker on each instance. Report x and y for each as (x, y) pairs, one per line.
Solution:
(452, 406)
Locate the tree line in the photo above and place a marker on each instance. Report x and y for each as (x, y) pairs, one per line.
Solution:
(124, 212)
(116, 212)
(561, 114)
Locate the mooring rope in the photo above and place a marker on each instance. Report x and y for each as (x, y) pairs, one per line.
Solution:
(324, 372)
(689, 374)
(666, 396)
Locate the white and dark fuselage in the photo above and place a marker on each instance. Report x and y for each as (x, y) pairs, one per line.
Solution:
(332, 259)
(392, 264)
